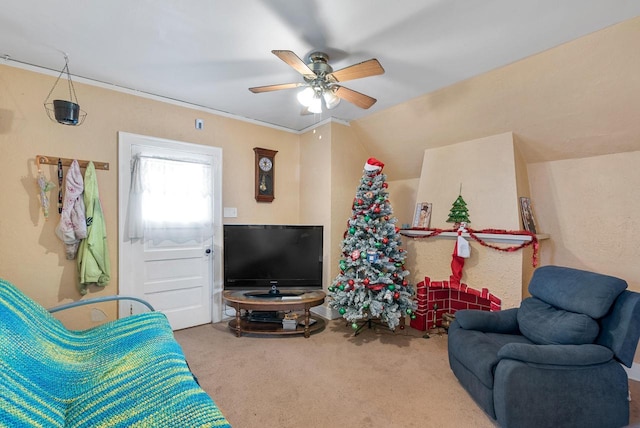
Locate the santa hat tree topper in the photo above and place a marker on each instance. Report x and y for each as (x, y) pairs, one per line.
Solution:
(373, 165)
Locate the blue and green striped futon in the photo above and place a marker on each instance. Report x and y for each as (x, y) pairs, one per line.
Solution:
(126, 373)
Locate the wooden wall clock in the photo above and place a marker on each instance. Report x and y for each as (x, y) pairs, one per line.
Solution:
(265, 174)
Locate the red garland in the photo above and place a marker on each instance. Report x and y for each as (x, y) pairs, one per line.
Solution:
(472, 234)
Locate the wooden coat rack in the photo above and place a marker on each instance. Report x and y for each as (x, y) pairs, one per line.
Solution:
(50, 160)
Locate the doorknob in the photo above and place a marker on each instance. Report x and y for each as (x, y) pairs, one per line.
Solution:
(208, 251)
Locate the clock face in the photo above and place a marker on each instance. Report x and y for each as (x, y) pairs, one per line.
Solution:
(265, 164)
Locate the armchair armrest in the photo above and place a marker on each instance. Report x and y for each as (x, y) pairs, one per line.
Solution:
(504, 322)
(99, 300)
(561, 355)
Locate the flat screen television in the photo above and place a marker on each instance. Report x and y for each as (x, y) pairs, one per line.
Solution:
(261, 257)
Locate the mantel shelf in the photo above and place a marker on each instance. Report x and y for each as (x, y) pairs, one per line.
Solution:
(490, 237)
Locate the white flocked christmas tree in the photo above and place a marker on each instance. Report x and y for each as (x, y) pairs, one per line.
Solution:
(372, 282)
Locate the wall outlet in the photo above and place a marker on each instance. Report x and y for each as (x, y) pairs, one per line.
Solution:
(230, 212)
(199, 124)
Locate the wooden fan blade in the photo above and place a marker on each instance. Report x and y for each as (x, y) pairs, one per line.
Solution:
(354, 97)
(295, 62)
(357, 71)
(269, 88)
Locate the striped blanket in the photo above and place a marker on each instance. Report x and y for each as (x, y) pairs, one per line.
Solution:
(126, 373)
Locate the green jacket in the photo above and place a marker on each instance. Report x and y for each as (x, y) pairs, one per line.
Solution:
(93, 254)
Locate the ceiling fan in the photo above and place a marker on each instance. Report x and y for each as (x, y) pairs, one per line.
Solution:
(321, 82)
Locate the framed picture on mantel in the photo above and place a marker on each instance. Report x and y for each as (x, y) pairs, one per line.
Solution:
(422, 217)
(526, 211)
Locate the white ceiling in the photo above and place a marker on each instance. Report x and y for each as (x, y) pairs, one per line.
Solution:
(209, 52)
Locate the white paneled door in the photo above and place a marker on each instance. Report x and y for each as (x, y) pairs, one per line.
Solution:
(170, 228)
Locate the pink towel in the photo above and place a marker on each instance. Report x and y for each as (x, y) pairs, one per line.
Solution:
(73, 223)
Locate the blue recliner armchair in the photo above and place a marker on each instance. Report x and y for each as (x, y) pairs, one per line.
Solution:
(556, 360)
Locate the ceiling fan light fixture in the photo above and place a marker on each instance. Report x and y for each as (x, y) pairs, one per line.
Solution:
(306, 96)
(316, 105)
(321, 82)
(330, 98)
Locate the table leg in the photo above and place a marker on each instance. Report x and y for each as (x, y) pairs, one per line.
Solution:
(307, 318)
(238, 330)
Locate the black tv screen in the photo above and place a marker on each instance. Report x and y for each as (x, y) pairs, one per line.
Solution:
(261, 256)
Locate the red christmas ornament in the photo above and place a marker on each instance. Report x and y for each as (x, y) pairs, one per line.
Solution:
(396, 295)
(366, 281)
(376, 209)
(350, 282)
(385, 240)
(360, 202)
(385, 185)
(405, 283)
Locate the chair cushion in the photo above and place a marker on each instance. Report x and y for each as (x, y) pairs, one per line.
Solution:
(576, 290)
(546, 325)
(478, 351)
(504, 321)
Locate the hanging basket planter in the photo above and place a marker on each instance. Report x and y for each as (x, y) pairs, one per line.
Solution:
(67, 113)
(63, 111)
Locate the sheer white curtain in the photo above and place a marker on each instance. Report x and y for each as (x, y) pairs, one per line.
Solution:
(170, 199)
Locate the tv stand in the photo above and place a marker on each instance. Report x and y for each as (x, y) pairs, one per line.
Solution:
(243, 301)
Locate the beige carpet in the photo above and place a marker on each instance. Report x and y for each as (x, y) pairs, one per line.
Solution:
(333, 379)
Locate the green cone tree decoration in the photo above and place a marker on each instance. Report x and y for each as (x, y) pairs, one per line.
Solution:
(459, 212)
(372, 280)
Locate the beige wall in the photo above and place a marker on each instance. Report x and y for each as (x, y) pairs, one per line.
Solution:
(403, 199)
(589, 207)
(485, 168)
(31, 256)
(315, 187)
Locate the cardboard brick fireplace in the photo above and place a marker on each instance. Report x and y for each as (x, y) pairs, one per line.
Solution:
(449, 296)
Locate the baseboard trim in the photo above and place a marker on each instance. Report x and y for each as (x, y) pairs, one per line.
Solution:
(633, 372)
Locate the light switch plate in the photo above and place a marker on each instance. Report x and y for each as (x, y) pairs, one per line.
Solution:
(230, 212)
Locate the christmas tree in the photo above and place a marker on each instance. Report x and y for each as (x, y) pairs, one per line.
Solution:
(371, 283)
(459, 212)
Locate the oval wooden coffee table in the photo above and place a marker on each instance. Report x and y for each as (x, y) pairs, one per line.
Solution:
(240, 301)
(243, 301)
